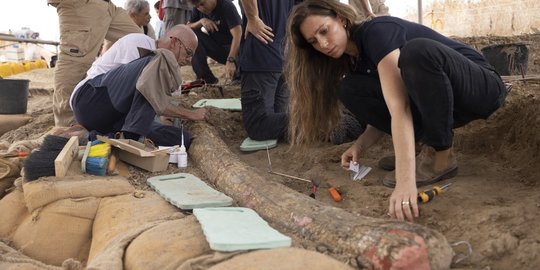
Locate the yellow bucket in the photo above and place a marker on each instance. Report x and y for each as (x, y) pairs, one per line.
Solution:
(17, 68)
(41, 63)
(5, 70)
(28, 66)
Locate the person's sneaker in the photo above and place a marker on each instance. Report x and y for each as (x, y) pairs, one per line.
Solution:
(431, 167)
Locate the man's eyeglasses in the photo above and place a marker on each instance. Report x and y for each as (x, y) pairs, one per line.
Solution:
(189, 52)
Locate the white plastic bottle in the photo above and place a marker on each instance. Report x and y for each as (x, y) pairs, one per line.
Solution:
(182, 156)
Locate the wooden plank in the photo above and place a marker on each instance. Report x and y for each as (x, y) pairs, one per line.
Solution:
(85, 156)
(64, 159)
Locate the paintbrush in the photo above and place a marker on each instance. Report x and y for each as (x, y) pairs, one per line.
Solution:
(97, 158)
(41, 163)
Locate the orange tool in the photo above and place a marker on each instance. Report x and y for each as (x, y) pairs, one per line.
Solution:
(185, 88)
(335, 194)
(18, 154)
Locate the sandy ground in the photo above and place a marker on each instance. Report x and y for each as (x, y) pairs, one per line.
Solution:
(492, 204)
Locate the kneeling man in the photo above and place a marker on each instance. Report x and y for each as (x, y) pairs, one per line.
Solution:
(132, 83)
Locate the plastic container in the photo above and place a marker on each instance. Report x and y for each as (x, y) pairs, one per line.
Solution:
(28, 66)
(13, 96)
(41, 63)
(182, 157)
(508, 59)
(5, 70)
(17, 67)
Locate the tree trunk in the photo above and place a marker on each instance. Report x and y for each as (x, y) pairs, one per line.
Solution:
(375, 243)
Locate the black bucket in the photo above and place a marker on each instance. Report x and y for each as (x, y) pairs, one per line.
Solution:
(13, 96)
(508, 59)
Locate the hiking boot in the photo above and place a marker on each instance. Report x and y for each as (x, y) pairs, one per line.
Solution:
(388, 163)
(431, 167)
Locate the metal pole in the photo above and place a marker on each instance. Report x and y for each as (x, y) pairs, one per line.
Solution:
(29, 40)
(420, 11)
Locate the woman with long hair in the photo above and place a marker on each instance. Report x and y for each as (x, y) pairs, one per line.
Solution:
(396, 77)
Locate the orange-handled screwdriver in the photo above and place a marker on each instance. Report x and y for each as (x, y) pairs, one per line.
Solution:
(335, 194)
(18, 154)
(428, 195)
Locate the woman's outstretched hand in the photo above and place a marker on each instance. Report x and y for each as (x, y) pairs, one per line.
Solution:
(350, 155)
(403, 201)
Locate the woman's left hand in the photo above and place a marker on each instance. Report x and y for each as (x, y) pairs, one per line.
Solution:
(403, 202)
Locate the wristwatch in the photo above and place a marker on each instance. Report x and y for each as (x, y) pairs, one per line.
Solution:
(231, 59)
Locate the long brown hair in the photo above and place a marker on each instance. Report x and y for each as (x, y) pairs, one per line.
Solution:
(312, 77)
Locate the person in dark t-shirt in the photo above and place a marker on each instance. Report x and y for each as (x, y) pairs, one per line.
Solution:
(263, 93)
(217, 25)
(395, 76)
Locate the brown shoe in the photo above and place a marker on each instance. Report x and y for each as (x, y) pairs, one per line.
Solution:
(388, 163)
(431, 167)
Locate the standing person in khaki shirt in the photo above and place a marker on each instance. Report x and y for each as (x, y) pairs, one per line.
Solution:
(83, 27)
(176, 12)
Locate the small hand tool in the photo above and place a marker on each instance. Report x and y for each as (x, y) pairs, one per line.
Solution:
(428, 195)
(17, 154)
(282, 174)
(358, 171)
(185, 88)
(335, 194)
(315, 183)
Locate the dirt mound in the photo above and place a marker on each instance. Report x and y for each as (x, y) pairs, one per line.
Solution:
(511, 134)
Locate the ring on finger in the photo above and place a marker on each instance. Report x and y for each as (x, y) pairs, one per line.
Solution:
(405, 203)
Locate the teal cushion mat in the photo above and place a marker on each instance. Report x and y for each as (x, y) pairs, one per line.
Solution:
(186, 191)
(253, 145)
(231, 104)
(238, 228)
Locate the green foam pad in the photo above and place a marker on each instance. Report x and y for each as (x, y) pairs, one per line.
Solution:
(253, 145)
(238, 228)
(186, 191)
(231, 104)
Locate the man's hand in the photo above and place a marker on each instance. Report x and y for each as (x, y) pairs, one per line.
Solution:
(260, 30)
(209, 25)
(198, 115)
(230, 69)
